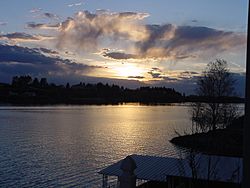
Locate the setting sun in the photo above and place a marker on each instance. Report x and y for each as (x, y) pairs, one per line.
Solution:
(125, 94)
(129, 71)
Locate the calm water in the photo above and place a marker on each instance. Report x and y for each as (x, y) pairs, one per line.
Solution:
(68, 145)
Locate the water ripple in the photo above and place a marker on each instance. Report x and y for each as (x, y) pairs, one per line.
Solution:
(65, 146)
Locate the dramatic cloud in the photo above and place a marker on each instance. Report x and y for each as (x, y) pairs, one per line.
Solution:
(91, 31)
(86, 30)
(15, 60)
(181, 42)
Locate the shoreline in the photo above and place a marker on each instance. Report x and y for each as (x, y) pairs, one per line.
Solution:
(226, 142)
(93, 102)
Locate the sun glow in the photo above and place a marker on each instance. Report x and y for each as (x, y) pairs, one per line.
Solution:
(129, 70)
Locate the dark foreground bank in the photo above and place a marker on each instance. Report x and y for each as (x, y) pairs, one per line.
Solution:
(227, 142)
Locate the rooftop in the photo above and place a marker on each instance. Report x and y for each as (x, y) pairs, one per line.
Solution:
(153, 168)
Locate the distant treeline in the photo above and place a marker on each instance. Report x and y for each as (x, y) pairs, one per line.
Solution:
(26, 90)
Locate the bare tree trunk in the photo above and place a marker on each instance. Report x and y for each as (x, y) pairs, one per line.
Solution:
(214, 116)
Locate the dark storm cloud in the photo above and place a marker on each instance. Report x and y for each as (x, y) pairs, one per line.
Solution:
(156, 32)
(182, 42)
(15, 60)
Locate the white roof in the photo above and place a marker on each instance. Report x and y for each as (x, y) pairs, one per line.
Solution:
(225, 169)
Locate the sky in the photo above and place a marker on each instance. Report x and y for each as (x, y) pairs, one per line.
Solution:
(131, 43)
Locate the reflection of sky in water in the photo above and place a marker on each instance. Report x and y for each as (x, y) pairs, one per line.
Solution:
(65, 145)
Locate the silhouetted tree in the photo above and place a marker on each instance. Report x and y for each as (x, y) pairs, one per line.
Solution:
(67, 86)
(14, 81)
(215, 83)
(43, 82)
(86, 93)
(35, 83)
(22, 81)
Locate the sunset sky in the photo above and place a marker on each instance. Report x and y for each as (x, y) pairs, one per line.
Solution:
(131, 43)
